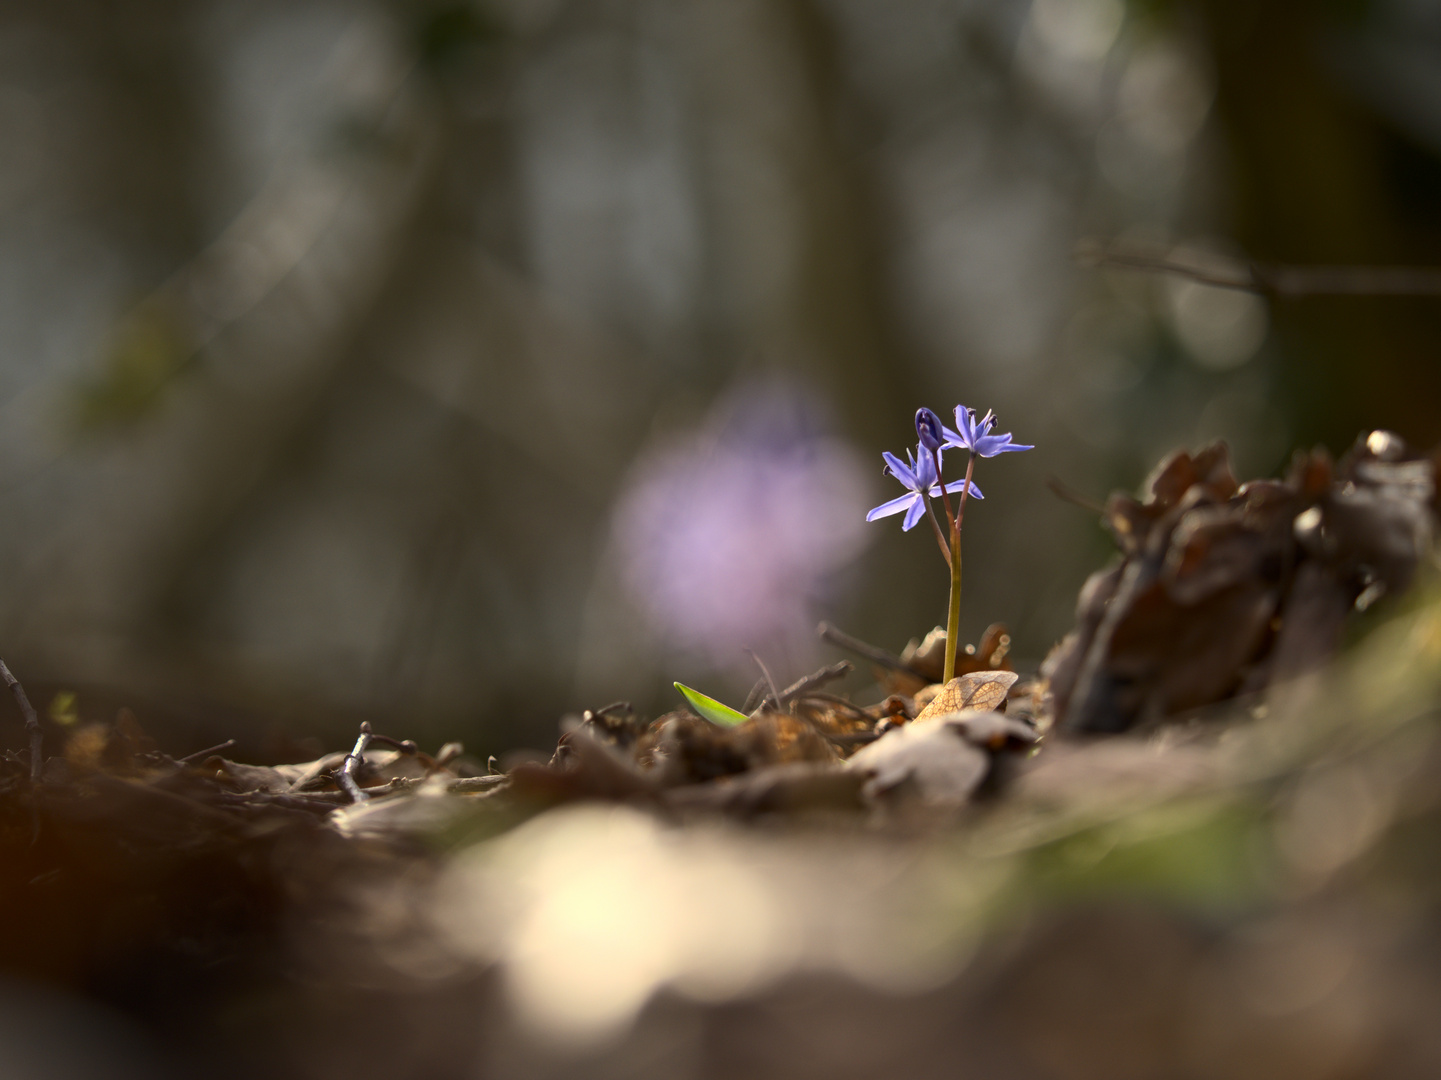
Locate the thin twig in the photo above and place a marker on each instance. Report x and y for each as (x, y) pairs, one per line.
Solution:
(764, 691)
(873, 653)
(1069, 494)
(405, 746)
(326, 801)
(201, 755)
(770, 683)
(1277, 279)
(476, 783)
(756, 697)
(1242, 277)
(32, 722)
(839, 670)
(1350, 280)
(321, 802)
(346, 776)
(444, 756)
(836, 701)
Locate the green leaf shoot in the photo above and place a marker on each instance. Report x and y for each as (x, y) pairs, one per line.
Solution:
(712, 709)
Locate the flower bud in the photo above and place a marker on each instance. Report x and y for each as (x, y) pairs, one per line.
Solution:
(928, 427)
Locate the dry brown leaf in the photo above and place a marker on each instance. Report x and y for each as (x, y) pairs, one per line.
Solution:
(978, 690)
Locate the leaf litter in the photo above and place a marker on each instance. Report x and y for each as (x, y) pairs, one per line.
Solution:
(175, 888)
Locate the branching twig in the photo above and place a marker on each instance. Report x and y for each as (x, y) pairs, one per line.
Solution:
(405, 746)
(32, 722)
(765, 695)
(804, 686)
(773, 697)
(346, 775)
(325, 801)
(1273, 280)
(871, 652)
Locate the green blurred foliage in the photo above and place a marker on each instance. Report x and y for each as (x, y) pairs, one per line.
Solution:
(150, 351)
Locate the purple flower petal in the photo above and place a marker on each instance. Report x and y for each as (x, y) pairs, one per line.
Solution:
(990, 445)
(886, 509)
(925, 468)
(1008, 447)
(913, 515)
(975, 436)
(955, 486)
(965, 424)
(901, 471)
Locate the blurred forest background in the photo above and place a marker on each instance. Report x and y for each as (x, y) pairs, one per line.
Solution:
(459, 365)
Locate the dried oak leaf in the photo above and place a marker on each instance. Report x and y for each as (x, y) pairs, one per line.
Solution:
(1223, 587)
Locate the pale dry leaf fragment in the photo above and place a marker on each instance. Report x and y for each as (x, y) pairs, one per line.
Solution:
(982, 690)
(931, 762)
(939, 762)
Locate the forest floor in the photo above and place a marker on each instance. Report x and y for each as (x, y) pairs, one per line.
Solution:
(1200, 841)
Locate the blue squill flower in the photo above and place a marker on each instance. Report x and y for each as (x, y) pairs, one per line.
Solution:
(975, 435)
(919, 475)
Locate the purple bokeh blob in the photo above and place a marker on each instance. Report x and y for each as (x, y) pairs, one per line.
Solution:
(732, 537)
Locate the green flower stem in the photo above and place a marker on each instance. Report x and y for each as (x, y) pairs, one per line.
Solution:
(940, 535)
(953, 616)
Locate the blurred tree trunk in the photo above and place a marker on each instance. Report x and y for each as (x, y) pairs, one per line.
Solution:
(1310, 186)
(796, 223)
(144, 122)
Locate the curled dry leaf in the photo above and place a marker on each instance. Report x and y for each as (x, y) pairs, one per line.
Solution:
(1224, 587)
